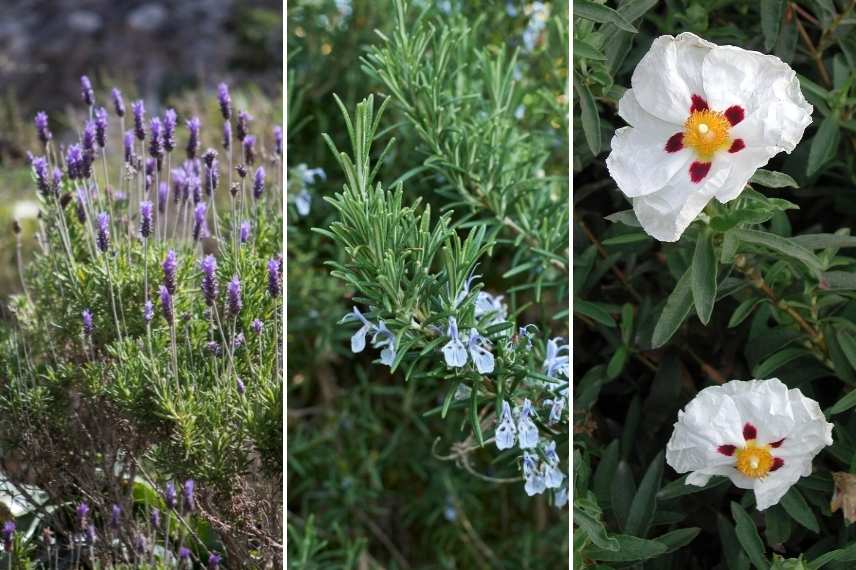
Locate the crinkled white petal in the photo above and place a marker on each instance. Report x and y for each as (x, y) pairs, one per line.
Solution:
(770, 489)
(743, 166)
(639, 163)
(665, 214)
(669, 75)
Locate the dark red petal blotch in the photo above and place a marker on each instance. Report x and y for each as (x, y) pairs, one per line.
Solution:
(699, 170)
(699, 104)
(726, 449)
(737, 146)
(749, 431)
(675, 142)
(777, 443)
(734, 114)
(777, 462)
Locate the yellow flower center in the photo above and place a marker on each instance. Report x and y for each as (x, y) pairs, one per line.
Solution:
(754, 460)
(707, 132)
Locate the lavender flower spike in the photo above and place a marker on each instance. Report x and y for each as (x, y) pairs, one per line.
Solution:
(145, 219)
(214, 560)
(80, 205)
(200, 227)
(244, 232)
(249, 149)
(241, 387)
(156, 142)
(225, 101)
(274, 278)
(163, 197)
(277, 139)
(8, 533)
(139, 110)
(209, 279)
(227, 136)
(102, 222)
(115, 516)
(233, 292)
(169, 121)
(189, 503)
(148, 312)
(82, 512)
(166, 304)
(40, 169)
(259, 183)
(154, 518)
(184, 554)
(169, 266)
(129, 147)
(86, 91)
(118, 102)
(170, 495)
(87, 323)
(101, 127)
(242, 125)
(74, 161)
(257, 326)
(193, 126)
(42, 127)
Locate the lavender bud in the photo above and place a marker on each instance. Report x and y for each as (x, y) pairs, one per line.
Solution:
(209, 279)
(155, 142)
(154, 518)
(257, 326)
(249, 149)
(103, 238)
(140, 544)
(225, 101)
(242, 170)
(57, 180)
(88, 327)
(234, 189)
(209, 156)
(40, 169)
(163, 197)
(87, 140)
(188, 494)
(179, 184)
(227, 136)
(241, 387)
(200, 227)
(195, 189)
(74, 161)
(233, 293)
(169, 266)
(151, 163)
(129, 147)
(169, 495)
(139, 110)
(115, 517)
(42, 127)
(82, 513)
(259, 183)
(214, 561)
(170, 119)
(214, 348)
(8, 533)
(118, 103)
(212, 178)
(184, 554)
(245, 232)
(86, 91)
(90, 533)
(148, 312)
(193, 126)
(238, 341)
(146, 219)
(101, 127)
(166, 304)
(80, 206)
(242, 126)
(277, 139)
(274, 278)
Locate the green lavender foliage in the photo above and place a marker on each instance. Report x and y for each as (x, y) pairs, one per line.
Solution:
(431, 169)
(122, 391)
(761, 287)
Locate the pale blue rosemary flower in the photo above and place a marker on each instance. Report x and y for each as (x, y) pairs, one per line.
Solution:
(553, 476)
(465, 288)
(382, 337)
(491, 306)
(560, 499)
(556, 407)
(479, 348)
(454, 351)
(556, 363)
(533, 474)
(526, 429)
(505, 430)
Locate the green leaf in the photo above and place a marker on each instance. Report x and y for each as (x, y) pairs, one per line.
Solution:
(605, 473)
(630, 548)
(838, 281)
(824, 145)
(623, 490)
(645, 501)
(748, 537)
(772, 12)
(623, 239)
(474, 414)
(594, 311)
(595, 530)
(781, 245)
(704, 271)
(765, 368)
(589, 116)
(617, 362)
(743, 310)
(778, 525)
(626, 217)
(796, 507)
(848, 346)
(773, 179)
(587, 51)
(843, 404)
(735, 558)
(679, 538)
(679, 488)
(601, 14)
(675, 311)
(823, 241)
(847, 554)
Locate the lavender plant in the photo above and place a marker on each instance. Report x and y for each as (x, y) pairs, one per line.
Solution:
(112, 388)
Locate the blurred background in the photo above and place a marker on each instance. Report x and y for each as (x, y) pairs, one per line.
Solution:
(168, 52)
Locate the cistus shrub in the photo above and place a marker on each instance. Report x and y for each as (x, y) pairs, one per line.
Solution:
(145, 347)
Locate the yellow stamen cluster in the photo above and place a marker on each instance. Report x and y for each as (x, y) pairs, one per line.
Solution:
(754, 460)
(707, 132)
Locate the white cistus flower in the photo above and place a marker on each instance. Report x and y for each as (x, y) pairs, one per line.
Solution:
(703, 118)
(758, 433)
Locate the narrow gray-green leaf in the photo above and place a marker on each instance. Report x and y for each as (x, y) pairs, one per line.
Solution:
(595, 530)
(781, 245)
(645, 502)
(773, 179)
(589, 116)
(704, 277)
(772, 12)
(601, 14)
(630, 548)
(676, 310)
(747, 535)
(796, 507)
(679, 538)
(824, 145)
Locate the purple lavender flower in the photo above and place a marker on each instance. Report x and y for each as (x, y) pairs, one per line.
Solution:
(209, 156)
(179, 184)
(227, 136)
(140, 544)
(212, 178)
(40, 169)
(87, 139)
(244, 232)
(151, 164)
(225, 101)
(129, 147)
(233, 295)
(193, 126)
(146, 219)
(80, 206)
(90, 533)
(259, 183)
(200, 226)
(74, 161)
(257, 326)
(166, 304)
(148, 312)
(242, 170)
(8, 534)
(139, 110)
(82, 513)
(163, 196)
(115, 516)
(238, 341)
(57, 180)
(195, 187)
(170, 119)
(214, 560)
(42, 127)
(184, 554)
(274, 278)
(242, 125)
(170, 264)
(188, 494)
(209, 279)
(169, 495)
(118, 103)
(86, 91)
(101, 127)
(156, 142)
(154, 518)
(249, 149)
(277, 139)
(214, 348)
(102, 222)
(241, 387)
